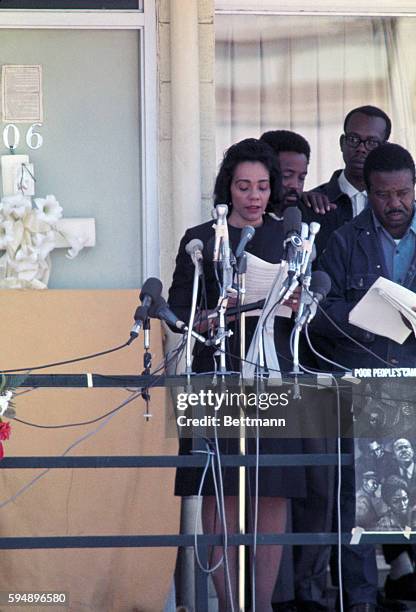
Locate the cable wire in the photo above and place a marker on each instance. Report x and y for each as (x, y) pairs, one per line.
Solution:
(75, 360)
(344, 333)
(160, 366)
(28, 485)
(318, 354)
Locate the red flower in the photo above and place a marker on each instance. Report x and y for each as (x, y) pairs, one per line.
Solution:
(1, 451)
(4, 431)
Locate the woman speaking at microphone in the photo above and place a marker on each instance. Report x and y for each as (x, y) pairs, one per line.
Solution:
(249, 182)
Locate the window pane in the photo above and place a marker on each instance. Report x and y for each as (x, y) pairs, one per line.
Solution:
(90, 156)
(305, 73)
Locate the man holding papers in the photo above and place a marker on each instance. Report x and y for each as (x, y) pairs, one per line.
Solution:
(379, 242)
(377, 246)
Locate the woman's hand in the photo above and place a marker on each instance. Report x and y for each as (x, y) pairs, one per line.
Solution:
(294, 300)
(203, 323)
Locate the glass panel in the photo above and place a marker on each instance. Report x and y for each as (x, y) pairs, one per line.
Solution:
(90, 158)
(305, 73)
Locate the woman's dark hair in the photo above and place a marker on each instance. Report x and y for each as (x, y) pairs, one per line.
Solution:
(248, 150)
(387, 157)
(390, 486)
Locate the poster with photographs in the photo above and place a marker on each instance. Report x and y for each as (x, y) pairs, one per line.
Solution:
(385, 454)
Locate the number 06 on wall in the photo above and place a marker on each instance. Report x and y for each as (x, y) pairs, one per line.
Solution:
(11, 136)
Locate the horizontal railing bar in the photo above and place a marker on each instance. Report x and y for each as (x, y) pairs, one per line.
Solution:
(157, 541)
(163, 461)
(126, 380)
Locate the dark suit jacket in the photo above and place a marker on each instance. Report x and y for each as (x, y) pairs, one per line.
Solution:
(267, 244)
(354, 260)
(335, 218)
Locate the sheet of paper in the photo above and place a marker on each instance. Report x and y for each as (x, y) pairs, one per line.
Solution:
(259, 278)
(379, 310)
(22, 93)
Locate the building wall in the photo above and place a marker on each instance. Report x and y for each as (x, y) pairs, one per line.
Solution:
(186, 139)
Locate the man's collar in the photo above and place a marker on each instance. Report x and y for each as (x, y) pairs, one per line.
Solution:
(347, 187)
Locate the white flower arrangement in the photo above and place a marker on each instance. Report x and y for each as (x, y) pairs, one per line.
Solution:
(28, 233)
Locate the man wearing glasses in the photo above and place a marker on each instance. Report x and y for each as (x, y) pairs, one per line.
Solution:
(365, 128)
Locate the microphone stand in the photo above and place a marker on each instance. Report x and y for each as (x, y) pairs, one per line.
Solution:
(241, 272)
(296, 337)
(305, 278)
(221, 332)
(147, 365)
(188, 368)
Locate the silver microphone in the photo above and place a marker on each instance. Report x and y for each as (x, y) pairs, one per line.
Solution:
(220, 226)
(319, 289)
(194, 249)
(292, 243)
(247, 234)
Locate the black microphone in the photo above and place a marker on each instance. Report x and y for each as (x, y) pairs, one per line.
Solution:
(319, 288)
(151, 291)
(160, 310)
(292, 242)
(247, 234)
(245, 308)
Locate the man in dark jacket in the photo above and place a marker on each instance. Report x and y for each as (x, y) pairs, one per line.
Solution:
(365, 128)
(310, 562)
(380, 241)
(310, 565)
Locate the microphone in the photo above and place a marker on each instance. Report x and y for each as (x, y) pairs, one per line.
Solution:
(151, 291)
(320, 287)
(222, 251)
(221, 211)
(247, 234)
(304, 231)
(292, 243)
(305, 279)
(245, 308)
(160, 310)
(194, 249)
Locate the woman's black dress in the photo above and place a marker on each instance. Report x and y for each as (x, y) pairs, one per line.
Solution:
(267, 244)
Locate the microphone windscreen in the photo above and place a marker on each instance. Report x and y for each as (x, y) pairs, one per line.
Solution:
(320, 283)
(247, 233)
(221, 210)
(156, 305)
(194, 245)
(292, 220)
(152, 287)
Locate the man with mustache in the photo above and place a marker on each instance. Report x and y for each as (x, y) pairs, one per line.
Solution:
(293, 153)
(405, 465)
(310, 562)
(380, 241)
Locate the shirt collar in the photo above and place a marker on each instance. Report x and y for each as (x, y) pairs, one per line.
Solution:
(346, 186)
